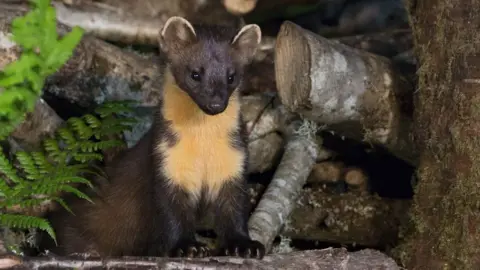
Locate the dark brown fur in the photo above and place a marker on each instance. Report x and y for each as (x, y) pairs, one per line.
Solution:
(143, 211)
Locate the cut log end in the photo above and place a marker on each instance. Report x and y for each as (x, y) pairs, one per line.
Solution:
(239, 7)
(355, 177)
(292, 66)
(8, 262)
(326, 172)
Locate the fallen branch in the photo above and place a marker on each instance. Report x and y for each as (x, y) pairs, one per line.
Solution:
(279, 198)
(136, 22)
(357, 94)
(346, 218)
(311, 259)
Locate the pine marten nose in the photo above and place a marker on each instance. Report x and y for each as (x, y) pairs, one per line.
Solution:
(216, 105)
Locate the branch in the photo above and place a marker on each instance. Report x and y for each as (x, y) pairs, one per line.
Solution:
(356, 93)
(277, 202)
(311, 259)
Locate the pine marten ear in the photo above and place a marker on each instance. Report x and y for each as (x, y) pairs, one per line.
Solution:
(246, 41)
(176, 34)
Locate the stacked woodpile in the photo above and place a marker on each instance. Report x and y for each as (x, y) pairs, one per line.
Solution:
(308, 96)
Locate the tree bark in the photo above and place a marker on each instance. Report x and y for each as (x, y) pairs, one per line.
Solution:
(358, 94)
(311, 259)
(446, 215)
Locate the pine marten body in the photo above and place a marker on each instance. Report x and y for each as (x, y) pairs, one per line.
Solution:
(192, 161)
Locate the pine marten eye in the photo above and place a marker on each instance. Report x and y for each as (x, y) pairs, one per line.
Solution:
(195, 76)
(231, 78)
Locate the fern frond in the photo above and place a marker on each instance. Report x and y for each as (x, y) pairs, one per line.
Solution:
(115, 107)
(28, 165)
(26, 222)
(66, 158)
(41, 162)
(63, 204)
(53, 150)
(92, 121)
(22, 203)
(7, 169)
(77, 192)
(80, 127)
(68, 136)
(87, 157)
(89, 146)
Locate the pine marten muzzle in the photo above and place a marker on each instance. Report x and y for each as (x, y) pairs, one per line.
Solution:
(191, 162)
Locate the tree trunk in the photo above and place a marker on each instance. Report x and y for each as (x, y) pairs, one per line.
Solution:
(446, 217)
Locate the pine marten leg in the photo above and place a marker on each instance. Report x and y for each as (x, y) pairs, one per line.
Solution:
(175, 219)
(231, 213)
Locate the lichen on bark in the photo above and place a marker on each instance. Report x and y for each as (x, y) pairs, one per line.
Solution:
(445, 214)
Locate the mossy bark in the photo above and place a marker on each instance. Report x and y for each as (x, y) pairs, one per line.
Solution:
(446, 211)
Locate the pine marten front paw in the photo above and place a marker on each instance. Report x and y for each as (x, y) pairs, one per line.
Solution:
(191, 249)
(245, 248)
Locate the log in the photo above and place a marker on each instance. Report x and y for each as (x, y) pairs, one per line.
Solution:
(311, 259)
(264, 152)
(242, 7)
(367, 16)
(326, 172)
(255, 108)
(138, 22)
(356, 179)
(388, 43)
(260, 75)
(37, 125)
(346, 218)
(239, 7)
(277, 202)
(3, 249)
(358, 94)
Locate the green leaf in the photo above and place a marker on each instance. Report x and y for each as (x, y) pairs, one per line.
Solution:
(64, 48)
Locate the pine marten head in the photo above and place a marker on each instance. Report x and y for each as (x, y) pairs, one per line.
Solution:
(207, 61)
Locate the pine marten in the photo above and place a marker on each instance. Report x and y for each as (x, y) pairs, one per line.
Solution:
(192, 160)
